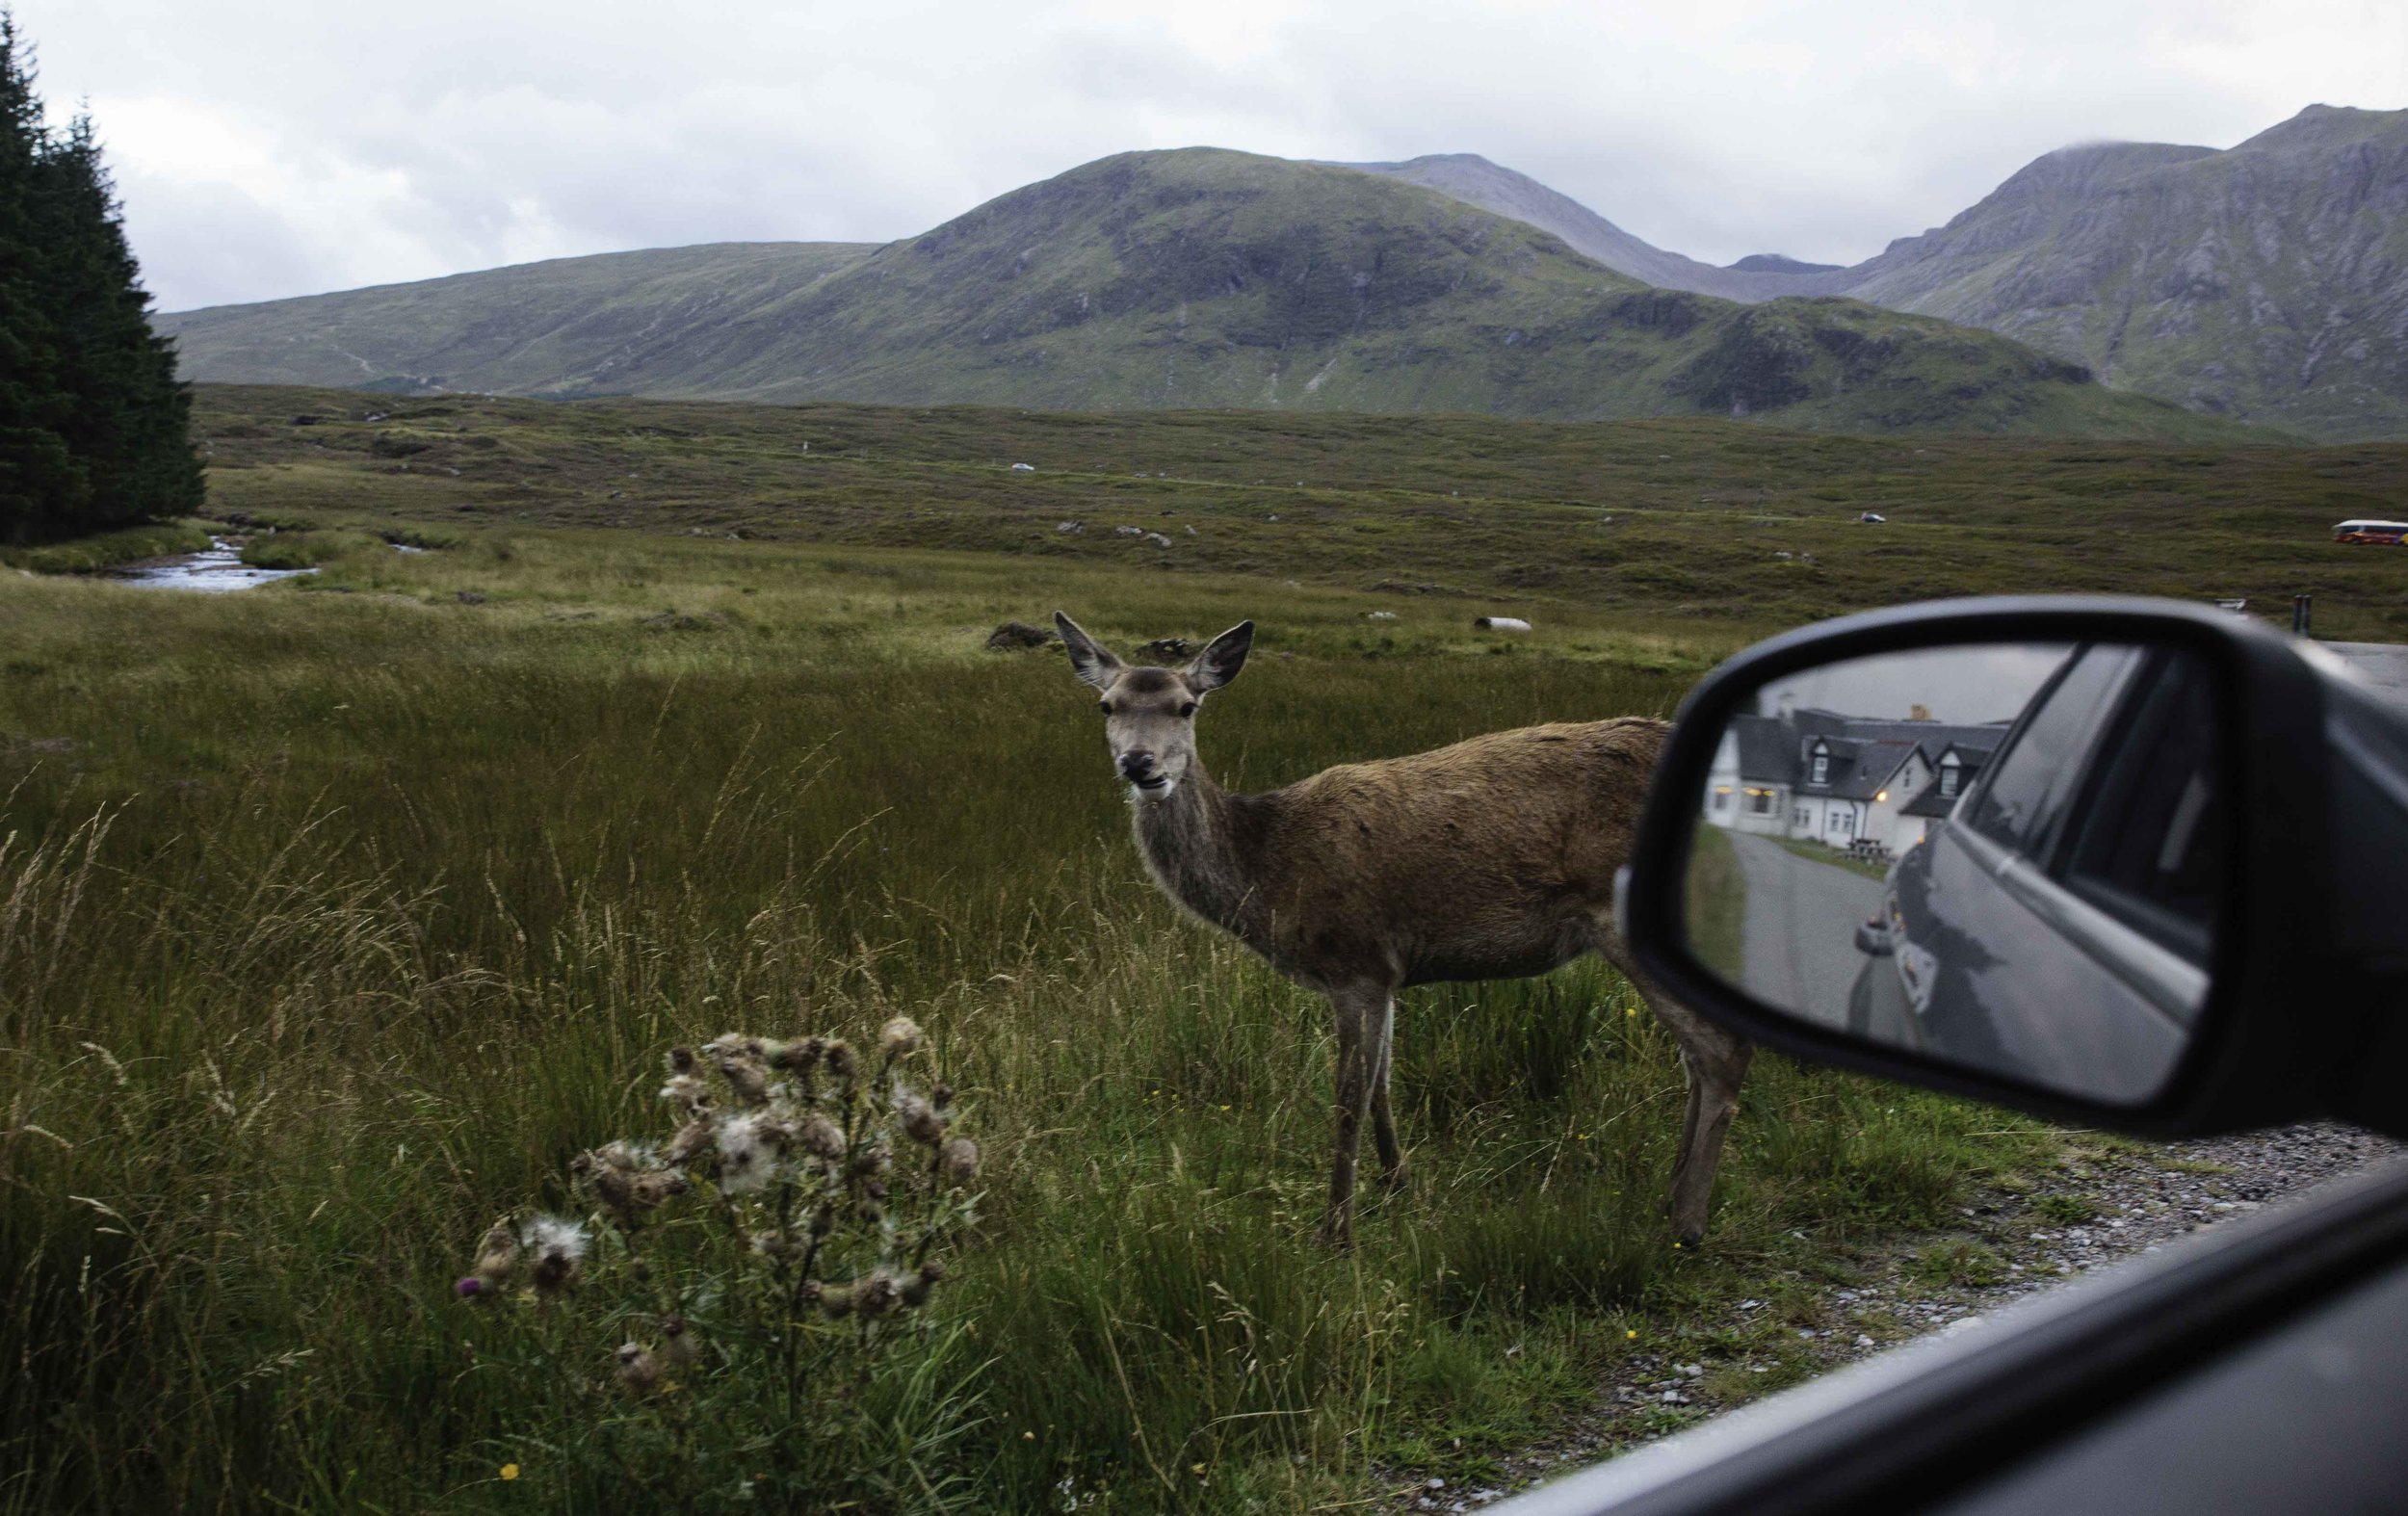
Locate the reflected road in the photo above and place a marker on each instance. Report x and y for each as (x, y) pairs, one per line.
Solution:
(1801, 928)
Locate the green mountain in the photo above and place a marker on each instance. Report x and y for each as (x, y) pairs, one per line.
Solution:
(2268, 282)
(570, 324)
(1197, 277)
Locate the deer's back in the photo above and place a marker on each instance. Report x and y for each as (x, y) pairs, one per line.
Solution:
(1490, 858)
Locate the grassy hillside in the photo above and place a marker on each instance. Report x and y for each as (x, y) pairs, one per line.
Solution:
(1663, 524)
(563, 324)
(1210, 279)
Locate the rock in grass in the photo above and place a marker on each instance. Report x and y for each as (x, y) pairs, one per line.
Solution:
(1017, 636)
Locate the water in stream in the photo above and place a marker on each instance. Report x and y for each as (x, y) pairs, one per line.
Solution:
(219, 569)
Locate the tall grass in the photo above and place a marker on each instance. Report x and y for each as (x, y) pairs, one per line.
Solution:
(346, 921)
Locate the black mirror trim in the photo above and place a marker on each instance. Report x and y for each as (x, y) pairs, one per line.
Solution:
(2276, 1013)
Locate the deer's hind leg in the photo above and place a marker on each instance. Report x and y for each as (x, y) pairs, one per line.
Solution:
(1383, 1032)
(1715, 1065)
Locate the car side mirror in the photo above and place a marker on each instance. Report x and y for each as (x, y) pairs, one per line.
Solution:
(2098, 859)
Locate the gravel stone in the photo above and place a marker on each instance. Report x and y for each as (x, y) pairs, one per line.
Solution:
(2142, 1198)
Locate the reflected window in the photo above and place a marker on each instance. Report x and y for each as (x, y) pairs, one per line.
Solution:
(2154, 839)
(1951, 774)
(2031, 784)
(1823, 765)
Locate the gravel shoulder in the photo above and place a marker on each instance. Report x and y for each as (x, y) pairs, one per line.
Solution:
(2121, 1199)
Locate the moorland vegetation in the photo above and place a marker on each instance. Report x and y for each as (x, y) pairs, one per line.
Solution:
(338, 918)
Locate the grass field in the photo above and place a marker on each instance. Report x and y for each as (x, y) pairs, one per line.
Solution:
(336, 916)
(1692, 529)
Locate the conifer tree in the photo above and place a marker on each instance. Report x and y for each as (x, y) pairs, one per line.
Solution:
(93, 423)
(39, 481)
(131, 415)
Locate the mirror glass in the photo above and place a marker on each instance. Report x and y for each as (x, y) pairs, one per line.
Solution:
(2005, 857)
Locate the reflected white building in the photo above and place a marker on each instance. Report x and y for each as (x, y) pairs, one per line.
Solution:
(1843, 781)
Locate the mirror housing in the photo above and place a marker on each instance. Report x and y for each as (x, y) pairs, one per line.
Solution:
(2306, 1011)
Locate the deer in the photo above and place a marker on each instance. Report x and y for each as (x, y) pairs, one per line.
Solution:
(1490, 859)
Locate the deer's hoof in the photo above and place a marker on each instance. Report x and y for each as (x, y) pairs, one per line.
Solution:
(1394, 1180)
(1335, 1233)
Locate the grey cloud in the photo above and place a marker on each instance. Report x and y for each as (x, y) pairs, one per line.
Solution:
(456, 134)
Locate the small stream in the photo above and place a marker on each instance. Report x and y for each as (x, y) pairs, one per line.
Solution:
(219, 569)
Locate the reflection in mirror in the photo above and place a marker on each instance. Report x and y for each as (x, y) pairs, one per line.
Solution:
(2006, 856)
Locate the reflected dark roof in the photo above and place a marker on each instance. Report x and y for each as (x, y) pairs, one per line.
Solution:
(1767, 750)
(1773, 749)
(1872, 765)
(1931, 802)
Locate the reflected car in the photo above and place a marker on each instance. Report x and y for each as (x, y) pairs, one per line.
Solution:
(2080, 869)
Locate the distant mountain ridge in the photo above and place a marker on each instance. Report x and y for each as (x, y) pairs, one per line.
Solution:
(1194, 277)
(2268, 282)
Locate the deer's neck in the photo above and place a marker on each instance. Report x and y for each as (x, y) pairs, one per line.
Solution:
(1200, 844)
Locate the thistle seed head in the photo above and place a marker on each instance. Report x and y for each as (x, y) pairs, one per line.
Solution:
(835, 1301)
(746, 1077)
(678, 1349)
(920, 1121)
(681, 1061)
(822, 1137)
(654, 1187)
(612, 1189)
(798, 1058)
(960, 1161)
(690, 1094)
(637, 1369)
(840, 1060)
(877, 1297)
(900, 1037)
(559, 1247)
(496, 1257)
(693, 1139)
(748, 1149)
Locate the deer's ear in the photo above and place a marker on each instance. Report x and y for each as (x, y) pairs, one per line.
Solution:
(1090, 659)
(1221, 659)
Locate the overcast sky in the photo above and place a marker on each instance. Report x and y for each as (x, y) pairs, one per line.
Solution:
(268, 148)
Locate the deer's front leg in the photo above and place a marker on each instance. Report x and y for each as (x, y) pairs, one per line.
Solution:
(1355, 1009)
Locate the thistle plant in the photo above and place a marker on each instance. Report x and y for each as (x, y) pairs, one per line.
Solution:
(757, 1282)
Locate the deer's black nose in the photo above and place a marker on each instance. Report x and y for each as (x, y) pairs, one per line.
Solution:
(1136, 766)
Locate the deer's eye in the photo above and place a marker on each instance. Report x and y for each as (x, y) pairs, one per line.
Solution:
(1104, 706)
(1187, 710)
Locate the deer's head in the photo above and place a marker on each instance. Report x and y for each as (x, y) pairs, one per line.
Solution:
(1149, 713)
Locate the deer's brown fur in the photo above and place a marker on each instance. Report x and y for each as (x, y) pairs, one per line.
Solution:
(1492, 859)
